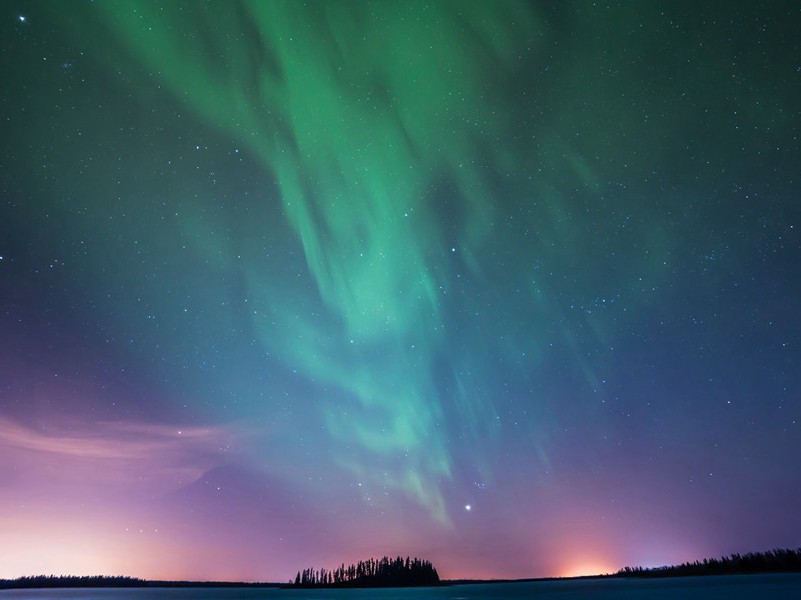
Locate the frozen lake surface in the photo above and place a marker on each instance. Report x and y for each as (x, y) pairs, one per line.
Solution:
(730, 587)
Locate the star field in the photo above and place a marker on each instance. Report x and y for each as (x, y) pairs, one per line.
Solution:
(511, 286)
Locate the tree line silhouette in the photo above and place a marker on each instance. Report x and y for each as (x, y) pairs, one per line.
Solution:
(772, 561)
(61, 581)
(387, 572)
(384, 572)
(112, 581)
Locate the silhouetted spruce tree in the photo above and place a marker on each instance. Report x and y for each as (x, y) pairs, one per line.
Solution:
(772, 561)
(385, 572)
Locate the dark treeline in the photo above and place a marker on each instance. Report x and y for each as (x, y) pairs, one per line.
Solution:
(111, 581)
(385, 572)
(61, 581)
(772, 561)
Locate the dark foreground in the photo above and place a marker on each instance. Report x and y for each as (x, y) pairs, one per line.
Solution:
(778, 586)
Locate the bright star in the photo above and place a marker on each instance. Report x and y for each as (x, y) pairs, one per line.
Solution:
(467, 507)
(21, 18)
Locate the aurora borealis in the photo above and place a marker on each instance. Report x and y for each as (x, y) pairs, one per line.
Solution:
(511, 286)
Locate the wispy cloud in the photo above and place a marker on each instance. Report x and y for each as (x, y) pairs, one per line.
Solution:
(115, 451)
(114, 440)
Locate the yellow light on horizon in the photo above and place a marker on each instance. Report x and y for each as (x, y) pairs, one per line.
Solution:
(583, 569)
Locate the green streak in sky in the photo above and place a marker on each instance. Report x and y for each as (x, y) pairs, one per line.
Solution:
(356, 110)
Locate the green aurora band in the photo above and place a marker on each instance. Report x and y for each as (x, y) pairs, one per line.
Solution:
(424, 170)
(356, 110)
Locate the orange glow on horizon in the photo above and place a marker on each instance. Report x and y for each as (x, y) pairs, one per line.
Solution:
(588, 567)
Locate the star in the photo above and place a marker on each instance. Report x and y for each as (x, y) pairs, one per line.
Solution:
(467, 507)
(21, 18)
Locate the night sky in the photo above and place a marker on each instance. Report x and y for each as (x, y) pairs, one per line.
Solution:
(510, 286)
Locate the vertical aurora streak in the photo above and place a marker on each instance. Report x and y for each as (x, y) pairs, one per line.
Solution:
(354, 137)
(384, 260)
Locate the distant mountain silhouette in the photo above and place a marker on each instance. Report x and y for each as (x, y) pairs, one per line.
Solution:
(772, 561)
(384, 572)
